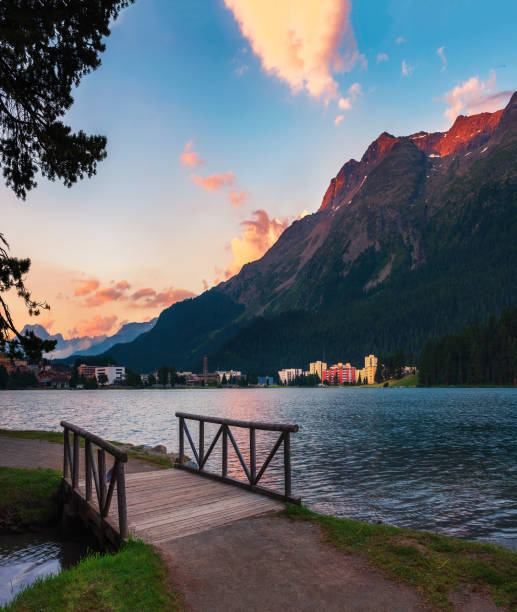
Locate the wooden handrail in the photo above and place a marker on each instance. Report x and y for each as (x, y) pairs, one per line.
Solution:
(96, 471)
(236, 423)
(100, 442)
(224, 432)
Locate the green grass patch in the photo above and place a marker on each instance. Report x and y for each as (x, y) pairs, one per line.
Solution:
(134, 578)
(34, 434)
(434, 564)
(28, 497)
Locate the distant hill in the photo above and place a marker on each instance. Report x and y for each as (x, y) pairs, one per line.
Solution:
(89, 345)
(416, 239)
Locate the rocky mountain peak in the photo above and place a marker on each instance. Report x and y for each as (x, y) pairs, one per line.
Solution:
(466, 134)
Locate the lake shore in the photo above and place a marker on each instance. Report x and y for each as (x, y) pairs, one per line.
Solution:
(434, 570)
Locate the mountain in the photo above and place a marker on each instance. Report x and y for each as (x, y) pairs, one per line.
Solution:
(417, 238)
(64, 348)
(89, 345)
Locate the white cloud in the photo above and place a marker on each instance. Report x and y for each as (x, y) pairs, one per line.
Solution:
(407, 70)
(302, 42)
(382, 57)
(338, 119)
(354, 91)
(441, 53)
(474, 96)
(400, 40)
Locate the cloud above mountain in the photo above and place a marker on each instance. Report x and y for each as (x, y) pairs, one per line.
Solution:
(302, 42)
(148, 297)
(97, 325)
(475, 96)
(258, 235)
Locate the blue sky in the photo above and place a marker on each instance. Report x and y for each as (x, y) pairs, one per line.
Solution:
(175, 72)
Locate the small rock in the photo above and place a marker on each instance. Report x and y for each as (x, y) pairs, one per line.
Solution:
(160, 448)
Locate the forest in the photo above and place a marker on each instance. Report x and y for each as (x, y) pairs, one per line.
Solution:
(480, 353)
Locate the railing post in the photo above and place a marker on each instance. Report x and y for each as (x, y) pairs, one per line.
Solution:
(88, 469)
(253, 456)
(75, 463)
(287, 463)
(201, 443)
(121, 500)
(225, 452)
(182, 441)
(66, 452)
(101, 460)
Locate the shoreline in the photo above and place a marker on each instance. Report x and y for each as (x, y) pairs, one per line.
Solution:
(435, 566)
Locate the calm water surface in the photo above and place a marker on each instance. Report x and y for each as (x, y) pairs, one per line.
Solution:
(439, 459)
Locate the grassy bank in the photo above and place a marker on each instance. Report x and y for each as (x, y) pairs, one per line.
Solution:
(436, 565)
(57, 437)
(135, 578)
(28, 497)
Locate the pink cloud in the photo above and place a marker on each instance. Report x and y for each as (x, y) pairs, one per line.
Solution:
(238, 198)
(103, 295)
(258, 235)
(148, 297)
(96, 326)
(215, 182)
(339, 119)
(123, 285)
(189, 157)
(300, 41)
(86, 286)
(474, 96)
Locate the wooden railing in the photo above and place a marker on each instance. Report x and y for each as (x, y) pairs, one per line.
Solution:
(96, 471)
(224, 432)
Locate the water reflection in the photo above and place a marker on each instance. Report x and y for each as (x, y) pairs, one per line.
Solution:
(26, 557)
(425, 458)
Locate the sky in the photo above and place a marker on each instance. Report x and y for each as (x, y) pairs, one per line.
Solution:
(226, 120)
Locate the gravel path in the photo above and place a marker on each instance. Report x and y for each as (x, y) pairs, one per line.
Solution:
(22, 453)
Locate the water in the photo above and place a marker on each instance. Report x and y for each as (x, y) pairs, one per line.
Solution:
(26, 557)
(437, 459)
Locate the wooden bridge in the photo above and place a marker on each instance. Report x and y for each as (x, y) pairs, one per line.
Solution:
(164, 504)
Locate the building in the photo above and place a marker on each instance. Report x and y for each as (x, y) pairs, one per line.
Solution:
(229, 374)
(370, 367)
(317, 367)
(265, 381)
(289, 374)
(88, 371)
(114, 374)
(339, 373)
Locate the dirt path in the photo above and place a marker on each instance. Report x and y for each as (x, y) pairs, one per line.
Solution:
(272, 564)
(23, 453)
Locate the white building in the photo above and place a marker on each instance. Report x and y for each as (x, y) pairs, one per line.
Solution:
(229, 374)
(288, 374)
(114, 374)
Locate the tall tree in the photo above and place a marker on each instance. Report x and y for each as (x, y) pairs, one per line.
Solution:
(46, 47)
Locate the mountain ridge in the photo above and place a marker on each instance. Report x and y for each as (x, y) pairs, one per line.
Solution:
(414, 233)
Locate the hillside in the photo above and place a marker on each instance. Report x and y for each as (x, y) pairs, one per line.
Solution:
(417, 238)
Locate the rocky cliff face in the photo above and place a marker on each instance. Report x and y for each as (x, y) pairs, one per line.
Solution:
(466, 134)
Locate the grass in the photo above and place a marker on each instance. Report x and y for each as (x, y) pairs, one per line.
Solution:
(34, 434)
(28, 497)
(434, 564)
(134, 578)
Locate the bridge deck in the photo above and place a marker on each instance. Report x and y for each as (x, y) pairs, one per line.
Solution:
(163, 505)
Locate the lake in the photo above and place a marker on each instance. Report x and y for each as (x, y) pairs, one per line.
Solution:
(437, 459)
